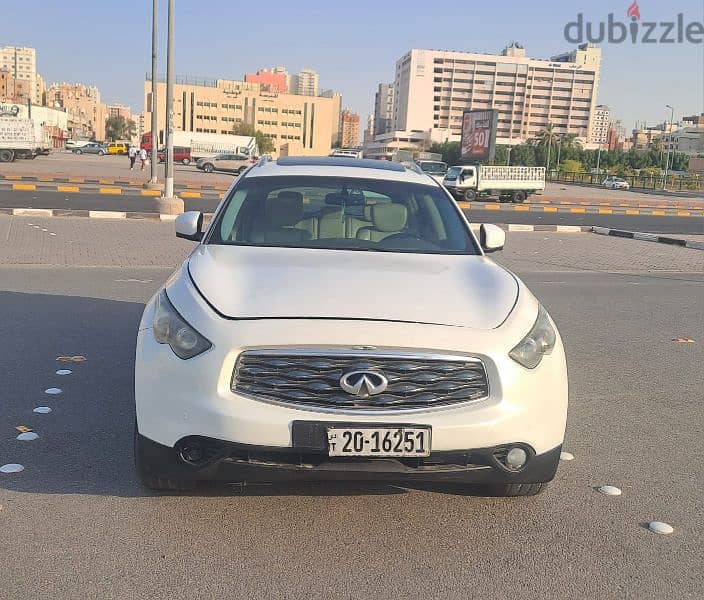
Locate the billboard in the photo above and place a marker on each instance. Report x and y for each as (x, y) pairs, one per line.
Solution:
(478, 135)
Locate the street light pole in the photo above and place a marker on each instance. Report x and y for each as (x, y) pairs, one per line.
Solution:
(669, 147)
(155, 156)
(598, 162)
(168, 203)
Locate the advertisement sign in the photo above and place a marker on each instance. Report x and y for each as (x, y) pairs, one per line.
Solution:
(478, 135)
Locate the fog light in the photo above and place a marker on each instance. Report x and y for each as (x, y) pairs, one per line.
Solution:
(516, 458)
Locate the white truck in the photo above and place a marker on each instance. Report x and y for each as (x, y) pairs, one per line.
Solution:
(515, 184)
(205, 145)
(17, 139)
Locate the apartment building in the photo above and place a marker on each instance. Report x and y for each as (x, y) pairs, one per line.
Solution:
(21, 63)
(349, 129)
(432, 88)
(304, 83)
(86, 113)
(600, 124)
(384, 108)
(297, 124)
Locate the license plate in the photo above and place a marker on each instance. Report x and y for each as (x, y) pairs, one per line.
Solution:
(379, 441)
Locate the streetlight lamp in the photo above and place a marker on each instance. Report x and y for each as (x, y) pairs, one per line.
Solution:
(669, 147)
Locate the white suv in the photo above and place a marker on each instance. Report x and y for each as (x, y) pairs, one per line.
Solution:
(338, 320)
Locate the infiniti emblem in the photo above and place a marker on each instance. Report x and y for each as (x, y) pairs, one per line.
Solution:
(363, 383)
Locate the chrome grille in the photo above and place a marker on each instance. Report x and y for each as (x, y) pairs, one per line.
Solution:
(313, 379)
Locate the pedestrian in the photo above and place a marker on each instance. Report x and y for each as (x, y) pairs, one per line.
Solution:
(143, 158)
(132, 154)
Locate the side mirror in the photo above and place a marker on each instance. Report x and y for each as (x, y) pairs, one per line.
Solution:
(189, 225)
(491, 237)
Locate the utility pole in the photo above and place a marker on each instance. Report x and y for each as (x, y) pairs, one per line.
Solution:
(155, 104)
(168, 203)
(598, 162)
(669, 147)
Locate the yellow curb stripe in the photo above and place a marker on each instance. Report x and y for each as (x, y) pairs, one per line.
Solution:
(683, 213)
(193, 186)
(14, 177)
(492, 207)
(550, 209)
(27, 187)
(150, 193)
(108, 181)
(190, 194)
(45, 179)
(633, 211)
(76, 180)
(658, 213)
(464, 205)
(221, 196)
(113, 191)
(67, 188)
(578, 210)
(521, 208)
(606, 211)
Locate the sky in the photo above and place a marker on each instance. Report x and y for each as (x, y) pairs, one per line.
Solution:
(352, 45)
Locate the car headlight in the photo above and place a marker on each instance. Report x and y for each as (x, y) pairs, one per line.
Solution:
(171, 328)
(539, 341)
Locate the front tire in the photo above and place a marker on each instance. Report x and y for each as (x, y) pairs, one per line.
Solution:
(208, 168)
(511, 490)
(100, 153)
(518, 197)
(186, 161)
(470, 195)
(6, 155)
(148, 473)
(78, 151)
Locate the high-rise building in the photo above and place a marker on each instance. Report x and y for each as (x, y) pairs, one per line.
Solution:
(600, 124)
(22, 65)
(383, 108)
(305, 83)
(432, 88)
(270, 81)
(349, 129)
(301, 125)
(368, 135)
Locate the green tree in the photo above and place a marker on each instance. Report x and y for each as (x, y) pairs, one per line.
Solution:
(265, 143)
(119, 128)
(450, 151)
(571, 166)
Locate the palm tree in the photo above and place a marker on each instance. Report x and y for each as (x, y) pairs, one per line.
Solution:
(570, 141)
(546, 139)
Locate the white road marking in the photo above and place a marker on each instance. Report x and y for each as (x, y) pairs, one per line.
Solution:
(42, 410)
(566, 456)
(610, 490)
(53, 391)
(11, 468)
(660, 527)
(28, 436)
(64, 372)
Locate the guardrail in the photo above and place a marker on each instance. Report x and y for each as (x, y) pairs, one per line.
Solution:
(675, 183)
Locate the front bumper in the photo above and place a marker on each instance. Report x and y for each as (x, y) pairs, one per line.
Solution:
(241, 463)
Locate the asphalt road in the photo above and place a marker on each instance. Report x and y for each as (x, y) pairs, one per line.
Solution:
(76, 525)
(88, 201)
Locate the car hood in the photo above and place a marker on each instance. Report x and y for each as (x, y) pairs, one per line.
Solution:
(259, 282)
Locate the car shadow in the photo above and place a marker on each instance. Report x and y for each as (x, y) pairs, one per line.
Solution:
(85, 443)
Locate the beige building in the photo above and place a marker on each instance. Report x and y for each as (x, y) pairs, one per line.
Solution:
(433, 87)
(298, 125)
(86, 113)
(22, 65)
(349, 129)
(600, 124)
(304, 83)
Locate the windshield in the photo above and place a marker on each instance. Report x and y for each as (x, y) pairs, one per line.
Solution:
(343, 214)
(433, 167)
(452, 173)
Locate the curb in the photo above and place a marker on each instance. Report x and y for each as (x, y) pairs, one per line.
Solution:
(111, 214)
(593, 209)
(107, 189)
(108, 181)
(648, 237)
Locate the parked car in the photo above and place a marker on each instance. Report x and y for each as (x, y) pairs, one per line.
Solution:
(257, 361)
(616, 183)
(181, 154)
(71, 144)
(92, 148)
(231, 163)
(117, 148)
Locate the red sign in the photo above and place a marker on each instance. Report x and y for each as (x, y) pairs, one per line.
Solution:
(478, 135)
